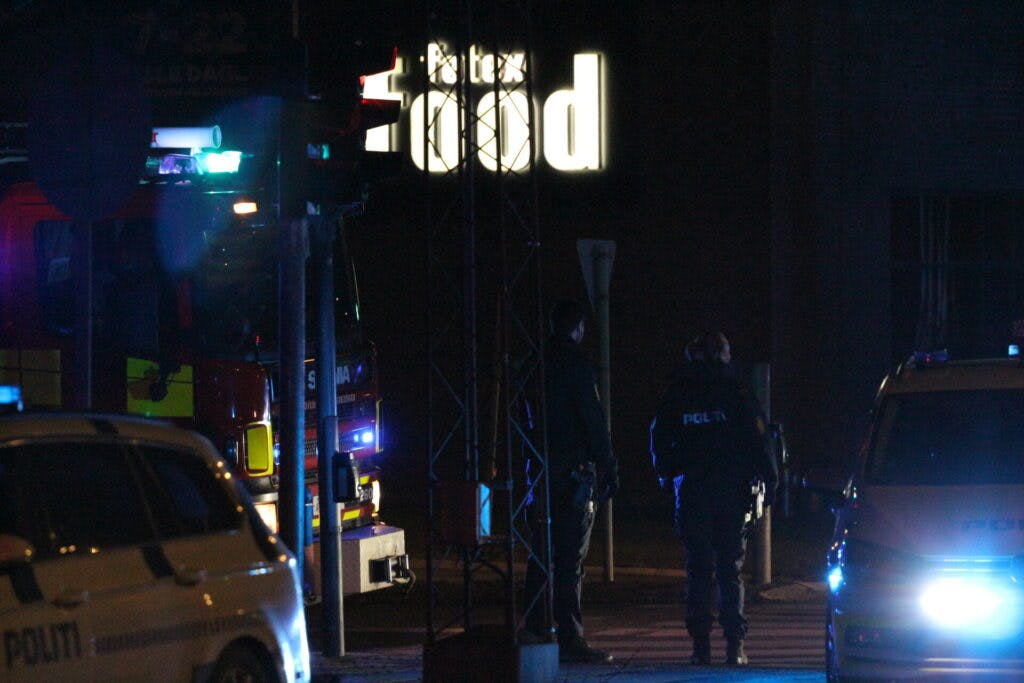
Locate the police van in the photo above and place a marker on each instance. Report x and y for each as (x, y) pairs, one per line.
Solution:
(128, 552)
(926, 567)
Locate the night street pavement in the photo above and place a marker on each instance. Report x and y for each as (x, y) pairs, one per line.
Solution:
(637, 618)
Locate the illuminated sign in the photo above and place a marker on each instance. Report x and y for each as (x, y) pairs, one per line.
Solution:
(572, 117)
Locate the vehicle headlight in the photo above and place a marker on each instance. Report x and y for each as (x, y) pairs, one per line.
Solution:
(835, 578)
(967, 603)
(960, 602)
(268, 512)
(375, 495)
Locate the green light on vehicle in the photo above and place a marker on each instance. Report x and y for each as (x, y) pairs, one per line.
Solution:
(219, 162)
(318, 152)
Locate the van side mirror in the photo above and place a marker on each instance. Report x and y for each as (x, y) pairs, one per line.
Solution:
(346, 477)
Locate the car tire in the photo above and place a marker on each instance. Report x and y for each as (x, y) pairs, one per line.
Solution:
(243, 664)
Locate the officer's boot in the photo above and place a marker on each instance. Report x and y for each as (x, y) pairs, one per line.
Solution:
(701, 651)
(734, 655)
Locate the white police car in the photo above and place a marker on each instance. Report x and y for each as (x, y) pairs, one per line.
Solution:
(129, 553)
(926, 568)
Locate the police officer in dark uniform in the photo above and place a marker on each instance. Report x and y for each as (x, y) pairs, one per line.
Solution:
(582, 472)
(708, 440)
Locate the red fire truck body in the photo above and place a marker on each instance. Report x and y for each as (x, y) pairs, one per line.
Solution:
(184, 327)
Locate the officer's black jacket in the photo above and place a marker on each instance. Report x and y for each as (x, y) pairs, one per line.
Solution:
(709, 429)
(577, 428)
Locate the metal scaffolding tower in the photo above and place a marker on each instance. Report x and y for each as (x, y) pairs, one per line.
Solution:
(486, 328)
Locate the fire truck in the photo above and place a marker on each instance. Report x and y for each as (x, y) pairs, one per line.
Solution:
(183, 325)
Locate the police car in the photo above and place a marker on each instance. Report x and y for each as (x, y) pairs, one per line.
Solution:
(926, 568)
(128, 553)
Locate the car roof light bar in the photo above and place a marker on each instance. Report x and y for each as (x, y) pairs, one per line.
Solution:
(208, 137)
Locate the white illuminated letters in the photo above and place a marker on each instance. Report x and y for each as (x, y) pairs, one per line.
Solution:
(441, 66)
(481, 67)
(513, 116)
(442, 147)
(573, 117)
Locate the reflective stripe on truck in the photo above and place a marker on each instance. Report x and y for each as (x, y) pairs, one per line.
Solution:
(143, 375)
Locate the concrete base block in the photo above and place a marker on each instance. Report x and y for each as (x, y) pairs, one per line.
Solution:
(488, 653)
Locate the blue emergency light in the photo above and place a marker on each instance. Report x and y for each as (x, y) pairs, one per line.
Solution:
(195, 163)
(202, 158)
(835, 578)
(1013, 350)
(10, 398)
(363, 437)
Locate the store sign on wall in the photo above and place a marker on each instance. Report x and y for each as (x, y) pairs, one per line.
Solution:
(571, 137)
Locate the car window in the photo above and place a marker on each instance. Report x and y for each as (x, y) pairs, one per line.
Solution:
(67, 497)
(950, 438)
(187, 497)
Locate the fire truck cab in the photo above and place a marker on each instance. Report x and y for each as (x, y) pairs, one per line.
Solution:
(181, 290)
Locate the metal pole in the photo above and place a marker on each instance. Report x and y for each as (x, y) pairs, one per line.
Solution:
(602, 278)
(467, 177)
(83, 315)
(292, 299)
(764, 549)
(327, 442)
(763, 531)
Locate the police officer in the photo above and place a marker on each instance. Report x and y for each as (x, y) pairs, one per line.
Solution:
(582, 472)
(707, 439)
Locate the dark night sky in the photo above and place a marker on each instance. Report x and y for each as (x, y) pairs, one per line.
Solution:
(684, 192)
(762, 159)
(684, 195)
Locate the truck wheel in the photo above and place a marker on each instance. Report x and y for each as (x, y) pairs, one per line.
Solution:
(242, 664)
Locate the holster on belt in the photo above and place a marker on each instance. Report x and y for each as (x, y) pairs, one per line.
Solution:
(584, 479)
(756, 509)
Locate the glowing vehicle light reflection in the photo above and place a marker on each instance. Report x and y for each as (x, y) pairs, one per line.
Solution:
(835, 578)
(959, 603)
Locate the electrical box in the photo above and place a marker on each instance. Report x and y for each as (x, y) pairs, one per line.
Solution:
(464, 509)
